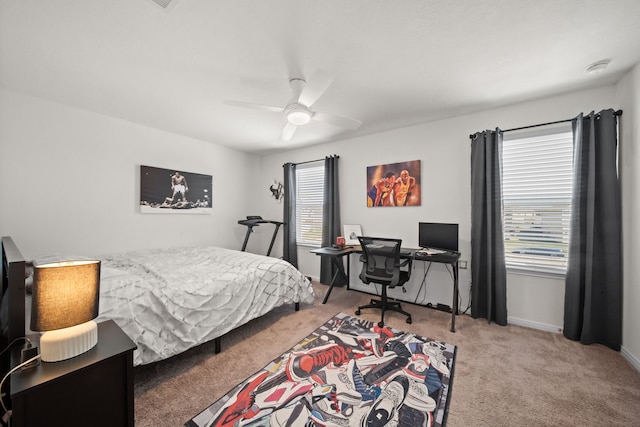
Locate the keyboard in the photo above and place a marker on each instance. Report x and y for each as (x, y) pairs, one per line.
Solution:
(428, 252)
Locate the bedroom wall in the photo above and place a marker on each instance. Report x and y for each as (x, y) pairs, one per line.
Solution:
(629, 94)
(69, 182)
(445, 150)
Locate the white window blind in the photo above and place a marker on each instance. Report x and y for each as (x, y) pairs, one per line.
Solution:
(536, 190)
(309, 200)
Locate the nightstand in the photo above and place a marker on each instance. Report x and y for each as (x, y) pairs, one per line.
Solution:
(92, 389)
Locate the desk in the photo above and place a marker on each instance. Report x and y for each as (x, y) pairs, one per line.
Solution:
(450, 258)
(336, 259)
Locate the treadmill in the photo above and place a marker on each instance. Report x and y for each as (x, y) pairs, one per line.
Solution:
(255, 221)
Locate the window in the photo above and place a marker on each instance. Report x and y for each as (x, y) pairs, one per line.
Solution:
(536, 190)
(309, 200)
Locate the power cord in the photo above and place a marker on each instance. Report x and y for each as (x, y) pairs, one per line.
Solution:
(29, 351)
(25, 363)
(468, 305)
(427, 267)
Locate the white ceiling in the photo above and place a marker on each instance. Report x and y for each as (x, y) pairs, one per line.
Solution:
(392, 62)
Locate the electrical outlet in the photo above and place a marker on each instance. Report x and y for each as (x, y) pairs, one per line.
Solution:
(462, 264)
(29, 352)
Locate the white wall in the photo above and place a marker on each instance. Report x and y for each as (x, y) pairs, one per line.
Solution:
(445, 150)
(69, 182)
(629, 95)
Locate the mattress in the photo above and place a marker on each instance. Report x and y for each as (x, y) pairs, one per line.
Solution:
(170, 300)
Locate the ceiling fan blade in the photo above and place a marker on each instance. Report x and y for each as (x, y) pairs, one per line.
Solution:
(343, 122)
(314, 88)
(263, 107)
(287, 131)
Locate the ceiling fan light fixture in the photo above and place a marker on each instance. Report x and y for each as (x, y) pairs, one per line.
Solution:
(298, 115)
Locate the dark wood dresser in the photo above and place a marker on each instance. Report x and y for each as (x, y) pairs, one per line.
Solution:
(93, 389)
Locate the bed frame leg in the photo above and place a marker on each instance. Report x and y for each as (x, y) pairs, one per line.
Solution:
(216, 343)
(297, 305)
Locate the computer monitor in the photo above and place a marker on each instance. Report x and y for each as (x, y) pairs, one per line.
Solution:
(438, 235)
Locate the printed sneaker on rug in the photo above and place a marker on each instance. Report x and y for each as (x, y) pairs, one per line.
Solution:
(350, 386)
(437, 359)
(412, 418)
(417, 367)
(303, 364)
(385, 370)
(418, 397)
(323, 413)
(358, 328)
(418, 394)
(295, 415)
(281, 395)
(372, 339)
(384, 411)
(239, 406)
(398, 347)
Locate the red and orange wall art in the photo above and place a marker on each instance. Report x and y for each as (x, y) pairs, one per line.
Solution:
(394, 184)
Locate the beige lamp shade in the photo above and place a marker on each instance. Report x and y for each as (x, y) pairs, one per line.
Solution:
(65, 294)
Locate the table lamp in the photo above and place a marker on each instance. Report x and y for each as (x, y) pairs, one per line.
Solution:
(65, 297)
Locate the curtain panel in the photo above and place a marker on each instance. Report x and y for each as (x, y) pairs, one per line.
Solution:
(290, 244)
(593, 285)
(330, 219)
(488, 269)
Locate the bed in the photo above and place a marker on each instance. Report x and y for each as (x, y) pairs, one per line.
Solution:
(170, 300)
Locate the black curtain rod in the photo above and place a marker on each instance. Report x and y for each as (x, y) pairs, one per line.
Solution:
(617, 113)
(538, 125)
(311, 161)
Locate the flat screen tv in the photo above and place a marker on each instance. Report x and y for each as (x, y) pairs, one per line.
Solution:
(438, 235)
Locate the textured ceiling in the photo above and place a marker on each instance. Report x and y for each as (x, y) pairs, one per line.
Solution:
(391, 63)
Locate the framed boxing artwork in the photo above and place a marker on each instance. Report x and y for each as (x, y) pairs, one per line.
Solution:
(174, 191)
(394, 184)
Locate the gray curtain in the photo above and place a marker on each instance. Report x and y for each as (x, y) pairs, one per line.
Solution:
(290, 249)
(488, 270)
(593, 287)
(330, 218)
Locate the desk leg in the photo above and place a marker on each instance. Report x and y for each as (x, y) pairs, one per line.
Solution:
(454, 306)
(339, 266)
(348, 269)
(333, 281)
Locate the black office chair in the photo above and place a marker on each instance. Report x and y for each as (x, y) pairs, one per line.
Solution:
(382, 265)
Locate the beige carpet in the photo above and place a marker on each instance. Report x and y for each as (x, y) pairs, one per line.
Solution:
(504, 376)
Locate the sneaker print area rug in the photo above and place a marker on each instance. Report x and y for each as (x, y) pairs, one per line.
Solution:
(348, 372)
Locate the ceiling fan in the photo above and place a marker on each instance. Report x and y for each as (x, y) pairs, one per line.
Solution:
(298, 110)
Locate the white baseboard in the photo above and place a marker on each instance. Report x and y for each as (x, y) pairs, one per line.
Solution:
(550, 328)
(557, 329)
(533, 325)
(631, 358)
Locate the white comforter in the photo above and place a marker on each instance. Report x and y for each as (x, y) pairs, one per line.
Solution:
(169, 300)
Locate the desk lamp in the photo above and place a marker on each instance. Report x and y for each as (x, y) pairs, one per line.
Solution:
(65, 299)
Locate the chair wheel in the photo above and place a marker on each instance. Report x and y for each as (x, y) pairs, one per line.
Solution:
(381, 324)
(409, 320)
(358, 312)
